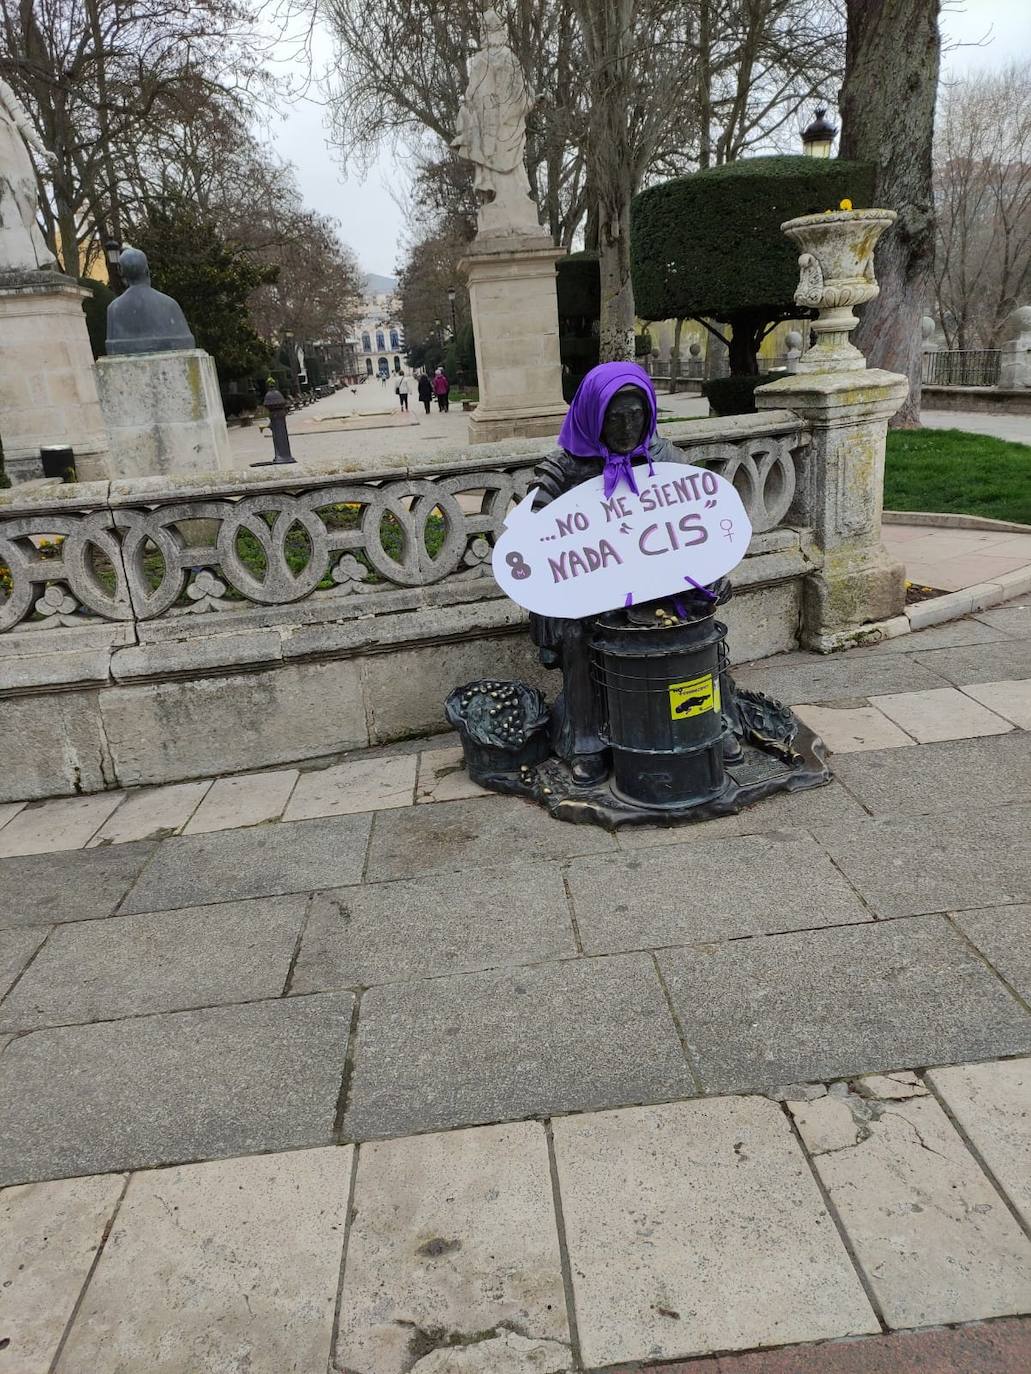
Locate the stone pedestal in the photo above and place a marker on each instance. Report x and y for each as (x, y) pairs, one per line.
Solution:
(1015, 351)
(514, 303)
(48, 388)
(842, 496)
(164, 414)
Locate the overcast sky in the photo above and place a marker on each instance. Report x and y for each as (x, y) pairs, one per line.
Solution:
(372, 222)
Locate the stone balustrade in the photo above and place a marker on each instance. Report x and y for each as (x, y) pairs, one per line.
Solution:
(161, 629)
(135, 551)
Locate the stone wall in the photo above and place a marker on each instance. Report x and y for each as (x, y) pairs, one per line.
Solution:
(331, 609)
(994, 399)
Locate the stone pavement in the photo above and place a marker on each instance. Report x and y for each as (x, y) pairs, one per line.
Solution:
(948, 558)
(359, 1069)
(1014, 428)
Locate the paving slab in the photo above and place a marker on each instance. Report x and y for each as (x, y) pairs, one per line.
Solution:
(998, 1347)
(251, 799)
(483, 833)
(1003, 935)
(834, 1003)
(992, 1103)
(453, 923)
(953, 634)
(932, 1235)
(8, 810)
(1009, 658)
(261, 861)
(939, 714)
(454, 1240)
(152, 813)
(906, 866)
(1011, 700)
(1012, 619)
(955, 775)
(211, 1268)
(365, 785)
(815, 678)
(172, 1088)
(696, 1227)
(849, 729)
(16, 949)
(732, 887)
(443, 777)
(78, 885)
(501, 1046)
(162, 961)
(66, 823)
(51, 1232)
(826, 805)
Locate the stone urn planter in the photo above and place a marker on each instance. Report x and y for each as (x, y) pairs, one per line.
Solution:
(836, 273)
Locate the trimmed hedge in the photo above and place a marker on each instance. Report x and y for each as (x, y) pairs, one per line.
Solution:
(709, 244)
(95, 309)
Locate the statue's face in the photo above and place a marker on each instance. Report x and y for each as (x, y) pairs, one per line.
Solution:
(625, 420)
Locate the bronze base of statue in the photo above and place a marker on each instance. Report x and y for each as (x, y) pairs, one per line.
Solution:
(503, 725)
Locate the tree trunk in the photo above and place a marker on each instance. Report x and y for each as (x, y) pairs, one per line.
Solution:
(887, 113)
(746, 334)
(608, 37)
(616, 339)
(674, 357)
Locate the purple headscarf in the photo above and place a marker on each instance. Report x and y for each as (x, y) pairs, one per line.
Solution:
(581, 429)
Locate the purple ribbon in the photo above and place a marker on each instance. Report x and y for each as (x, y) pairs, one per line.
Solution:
(619, 467)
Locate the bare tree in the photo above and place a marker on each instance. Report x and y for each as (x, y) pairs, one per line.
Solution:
(402, 70)
(887, 110)
(98, 76)
(758, 63)
(982, 182)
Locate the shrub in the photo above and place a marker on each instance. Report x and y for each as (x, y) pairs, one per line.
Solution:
(709, 245)
(734, 395)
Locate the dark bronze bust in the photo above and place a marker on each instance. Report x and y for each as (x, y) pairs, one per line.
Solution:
(143, 320)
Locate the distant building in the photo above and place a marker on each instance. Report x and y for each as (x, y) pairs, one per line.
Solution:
(380, 338)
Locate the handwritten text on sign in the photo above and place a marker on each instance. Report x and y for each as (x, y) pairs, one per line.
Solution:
(584, 553)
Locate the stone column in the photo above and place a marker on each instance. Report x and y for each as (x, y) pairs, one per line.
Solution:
(846, 407)
(48, 388)
(164, 413)
(841, 497)
(514, 304)
(1015, 351)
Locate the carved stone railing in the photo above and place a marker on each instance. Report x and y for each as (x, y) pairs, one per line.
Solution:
(135, 551)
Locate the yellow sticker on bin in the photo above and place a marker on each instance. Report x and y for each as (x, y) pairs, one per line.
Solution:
(694, 697)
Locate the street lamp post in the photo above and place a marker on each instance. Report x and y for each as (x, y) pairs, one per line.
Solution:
(454, 320)
(818, 136)
(291, 358)
(112, 252)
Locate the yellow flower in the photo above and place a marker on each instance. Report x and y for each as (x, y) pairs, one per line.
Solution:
(845, 204)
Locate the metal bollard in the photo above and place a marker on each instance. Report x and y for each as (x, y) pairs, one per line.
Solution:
(277, 405)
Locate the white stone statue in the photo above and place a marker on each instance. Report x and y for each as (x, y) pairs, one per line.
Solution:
(22, 248)
(491, 133)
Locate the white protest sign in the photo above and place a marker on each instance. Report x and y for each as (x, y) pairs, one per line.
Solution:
(584, 554)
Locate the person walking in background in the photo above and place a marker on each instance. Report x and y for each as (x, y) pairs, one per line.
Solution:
(441, 388)
(425, 391)
(402, 390)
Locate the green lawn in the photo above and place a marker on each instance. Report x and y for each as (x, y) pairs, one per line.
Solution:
(950, 470)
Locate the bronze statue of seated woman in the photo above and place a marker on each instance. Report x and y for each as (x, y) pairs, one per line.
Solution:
(649, 724)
